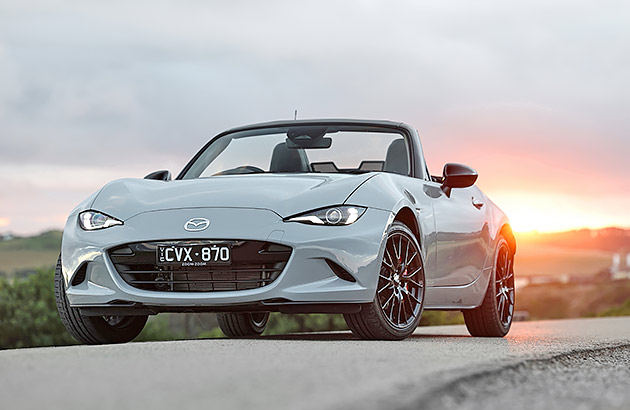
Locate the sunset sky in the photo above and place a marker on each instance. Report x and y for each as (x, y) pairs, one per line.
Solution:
(532, 94)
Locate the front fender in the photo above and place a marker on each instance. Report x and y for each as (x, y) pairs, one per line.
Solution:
(383, 191)
(388, 192)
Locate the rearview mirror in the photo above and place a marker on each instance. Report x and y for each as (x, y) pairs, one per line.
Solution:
(163, 175)
(458, 176)
(321, 143)
(308, 137)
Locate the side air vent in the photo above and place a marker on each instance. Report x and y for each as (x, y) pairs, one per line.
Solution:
(339, 271)
(79, 275)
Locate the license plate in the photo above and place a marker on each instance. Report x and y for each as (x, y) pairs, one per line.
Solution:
(194, 255)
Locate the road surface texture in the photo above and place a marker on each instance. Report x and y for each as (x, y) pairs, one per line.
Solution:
(572, 364)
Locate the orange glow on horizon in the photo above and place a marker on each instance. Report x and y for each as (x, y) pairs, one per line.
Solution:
(535, 212)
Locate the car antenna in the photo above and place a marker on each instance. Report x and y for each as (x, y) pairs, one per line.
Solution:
(295, 115)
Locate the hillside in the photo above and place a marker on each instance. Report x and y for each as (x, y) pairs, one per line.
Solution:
(606, 239)
(557, 301)
(552, 260)
(580, 252)
(21, 255)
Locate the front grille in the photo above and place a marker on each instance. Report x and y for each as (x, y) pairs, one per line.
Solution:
(254, 264)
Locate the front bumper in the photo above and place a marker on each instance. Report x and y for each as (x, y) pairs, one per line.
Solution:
(306, 279)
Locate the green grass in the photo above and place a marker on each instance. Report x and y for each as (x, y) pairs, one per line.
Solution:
(26, 260)
(24, 255)
(47, 241)
(621, 310)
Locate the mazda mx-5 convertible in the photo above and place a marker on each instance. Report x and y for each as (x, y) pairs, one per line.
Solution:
(308, 216)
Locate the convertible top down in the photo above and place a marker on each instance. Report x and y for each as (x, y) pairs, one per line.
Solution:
(308, 216)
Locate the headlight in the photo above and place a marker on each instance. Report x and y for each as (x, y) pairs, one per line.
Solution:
(336, 215)
(93, 220)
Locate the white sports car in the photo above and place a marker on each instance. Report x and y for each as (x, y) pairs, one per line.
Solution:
(309, 216)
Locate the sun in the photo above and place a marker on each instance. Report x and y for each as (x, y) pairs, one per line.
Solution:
(551, 213)
(4, 222)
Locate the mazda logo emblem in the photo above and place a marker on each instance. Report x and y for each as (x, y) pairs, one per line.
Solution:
(196, 224)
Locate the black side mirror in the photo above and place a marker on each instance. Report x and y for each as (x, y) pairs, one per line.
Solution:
(162, 175)
(458, 176)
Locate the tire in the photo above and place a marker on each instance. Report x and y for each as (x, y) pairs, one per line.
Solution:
(94, 330)
(494, 317)
(400, 288)
(243, 325)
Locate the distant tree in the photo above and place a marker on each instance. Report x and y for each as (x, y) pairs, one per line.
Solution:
(28, 314)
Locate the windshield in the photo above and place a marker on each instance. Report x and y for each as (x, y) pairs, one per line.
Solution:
(315, 149)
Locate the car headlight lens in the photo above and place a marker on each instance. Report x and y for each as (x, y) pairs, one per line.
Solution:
(93, 220)
(333, 216)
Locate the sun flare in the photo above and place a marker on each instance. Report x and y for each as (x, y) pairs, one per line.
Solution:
(552, 213)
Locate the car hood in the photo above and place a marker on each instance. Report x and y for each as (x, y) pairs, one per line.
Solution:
(284, 194)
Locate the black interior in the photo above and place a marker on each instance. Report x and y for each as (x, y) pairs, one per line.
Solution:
(396, 160)
(285, 159)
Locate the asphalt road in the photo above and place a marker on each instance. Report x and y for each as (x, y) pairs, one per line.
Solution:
(574, 364)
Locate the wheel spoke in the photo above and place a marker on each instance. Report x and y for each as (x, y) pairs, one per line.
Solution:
(391, 261)
(385, 287)
(420, 285)
(391, 312)
(504, 285)
(414, 272)
(412, 256)
(506, 310)
(411, 310)
(404, 317)
(411, 296)
(387, 278)
(389, 300)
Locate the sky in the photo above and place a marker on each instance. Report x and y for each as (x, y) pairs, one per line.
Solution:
(533, 94)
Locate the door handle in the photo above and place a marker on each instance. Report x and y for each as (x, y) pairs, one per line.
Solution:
(477, 203)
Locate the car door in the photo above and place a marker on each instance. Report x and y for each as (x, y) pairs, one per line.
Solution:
(421, 194)
(462, 235)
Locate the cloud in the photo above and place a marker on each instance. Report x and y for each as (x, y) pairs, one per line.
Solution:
(538, 85)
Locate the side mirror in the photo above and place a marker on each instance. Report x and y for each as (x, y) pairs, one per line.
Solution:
(458, 176)
(162, 175)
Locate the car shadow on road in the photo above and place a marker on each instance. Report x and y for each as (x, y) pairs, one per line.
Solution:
(339, 336)
(325, 336)
(438, 336)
